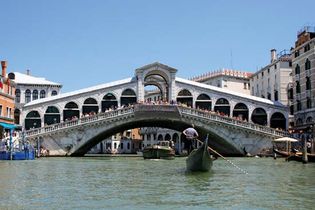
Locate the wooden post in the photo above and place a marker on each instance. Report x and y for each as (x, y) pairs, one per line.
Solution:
(304, 155)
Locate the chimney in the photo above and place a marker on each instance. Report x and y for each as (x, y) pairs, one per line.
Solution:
(4, 68)
(273, 55)
(28, 72)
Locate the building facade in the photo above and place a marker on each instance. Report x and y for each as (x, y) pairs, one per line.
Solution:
(30, 88)
(229, 79)
(7, 95)
(303, 61)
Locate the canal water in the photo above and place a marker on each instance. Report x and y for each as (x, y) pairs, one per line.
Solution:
(134, 183)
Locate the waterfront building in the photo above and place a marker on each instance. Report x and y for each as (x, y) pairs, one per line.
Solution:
(7, 94)
(274, 81)
(229, 79)
(303, 62)
(30, 88)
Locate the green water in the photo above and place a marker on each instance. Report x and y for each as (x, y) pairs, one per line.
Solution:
(134, 183)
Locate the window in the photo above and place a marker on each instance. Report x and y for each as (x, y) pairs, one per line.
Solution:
(275, 66)
(297, 53)
(53, 93)
(299, 105)
(307, 47)
(269, 96)
(17, 95)
(290, 64)
(268, 71)
(42, 94)
(121, 145)
(297, 69)
(308, 103)
(307, 64)
(27, 96)
(245, 85)
(298, 87)
(262, 74)
(308, 83)
(276, 95)
(35, 95)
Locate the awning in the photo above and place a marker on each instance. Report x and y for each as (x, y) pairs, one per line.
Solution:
(9, 126)
(283, 139)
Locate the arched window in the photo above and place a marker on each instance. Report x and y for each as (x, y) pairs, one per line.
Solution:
(203, 102)
(299, 121)
(297, 69)
(54, 93)
(307, 64)
(128, 96)
(298, 87)
(222, 106)
(308, 83)
(27, 96)
(259, 116)
(308, 103)
(71, 111)
(42, 94)
(52, 115)
(240, 111)
(32, 120)
(309, 120)
(18, 95)
(109, 101)
(35, 95)
(167, 137)
(298, 105)
(90, 106)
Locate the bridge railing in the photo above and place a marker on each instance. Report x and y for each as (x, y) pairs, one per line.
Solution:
(229, 120)
(80, 121)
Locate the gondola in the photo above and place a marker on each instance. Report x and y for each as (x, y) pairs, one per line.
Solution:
(199, 159)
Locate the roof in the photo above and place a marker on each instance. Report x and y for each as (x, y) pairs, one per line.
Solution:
(25, 79)
(222, 90)
(77, 92)
(222, 72)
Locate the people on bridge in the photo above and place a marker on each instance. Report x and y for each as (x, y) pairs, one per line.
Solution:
(190, 134)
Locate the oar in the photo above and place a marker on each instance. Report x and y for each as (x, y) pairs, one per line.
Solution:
(242, 170)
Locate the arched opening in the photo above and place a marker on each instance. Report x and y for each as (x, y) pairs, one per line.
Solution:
(259, 116)
(167, 137)
(90, 106)
(156, 87)
(128, 97)
(309, 120)
(42, 94)
(160, 137)
(17, 113)
(299, 122)
(240, 111)
(203, 102)
(222, 106)
(27, 96)
(278, 120)
(109, 102)
(185, 97)
(54, 93)
(52, 115)
(32, 120)
(71, 111)
(152, 94)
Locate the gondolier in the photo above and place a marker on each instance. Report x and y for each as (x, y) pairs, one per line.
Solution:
(190, 134)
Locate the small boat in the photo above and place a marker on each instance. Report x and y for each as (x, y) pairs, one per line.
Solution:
(199, 159)
(161, 150)
(299, 158)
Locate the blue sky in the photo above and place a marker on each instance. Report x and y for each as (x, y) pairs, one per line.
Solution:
(81, 43)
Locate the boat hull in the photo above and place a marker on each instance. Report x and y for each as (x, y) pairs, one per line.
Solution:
(20, 155)
(199, 159)
(156, 152)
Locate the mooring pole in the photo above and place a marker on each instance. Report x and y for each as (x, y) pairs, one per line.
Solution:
(304, 155)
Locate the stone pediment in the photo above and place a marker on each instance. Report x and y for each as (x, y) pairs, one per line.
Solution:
(156, 66)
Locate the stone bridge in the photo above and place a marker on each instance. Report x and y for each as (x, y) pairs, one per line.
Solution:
(227, 135)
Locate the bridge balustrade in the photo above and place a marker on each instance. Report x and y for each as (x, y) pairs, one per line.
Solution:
(131, 110)
(80, 121)
(228, 120)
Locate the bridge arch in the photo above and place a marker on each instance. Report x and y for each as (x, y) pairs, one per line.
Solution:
(278, 120)
(160, 137)
(167, 137)
(32, 120)
(222, 106)
(259, 116)
(185, 97)
(241, 111)
(52, 115)
(203, 101)
(128, 96)
(109, 101)
(71, 111)
(90, 105)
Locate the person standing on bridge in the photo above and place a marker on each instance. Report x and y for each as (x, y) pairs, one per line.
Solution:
(190, 134)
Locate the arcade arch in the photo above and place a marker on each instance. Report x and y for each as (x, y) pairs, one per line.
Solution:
(32, 120)
(241, 111)
(222, 106)
(278, 120)
(109, 101)
(259, 116)
(90, 106)
(185, 97)
(71, 111)
(203, 101)
(128, 96)
(51, 116)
